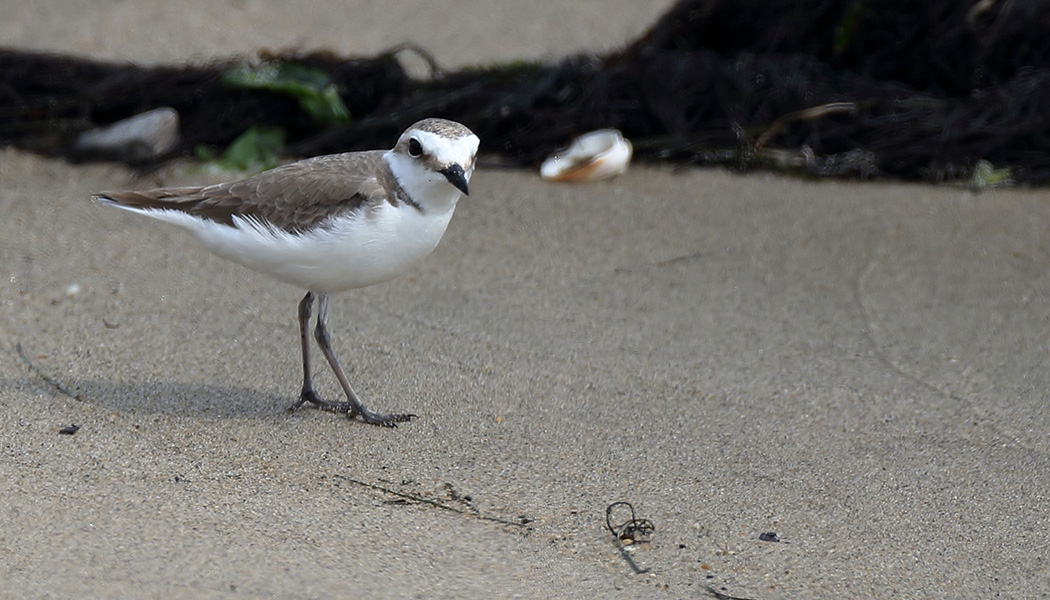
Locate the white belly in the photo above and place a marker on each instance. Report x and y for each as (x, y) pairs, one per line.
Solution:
(357, 251)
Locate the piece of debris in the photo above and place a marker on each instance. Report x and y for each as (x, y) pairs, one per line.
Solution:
(986, 176)
(591, 157)
(69, 430)
(44, 376)
(722, 595)
(769, 536)
(631, 531)
(135, 140)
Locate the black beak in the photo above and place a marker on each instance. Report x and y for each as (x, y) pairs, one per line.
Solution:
(455, 175)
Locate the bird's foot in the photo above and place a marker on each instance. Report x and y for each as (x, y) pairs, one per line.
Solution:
(308, 395)
(383, 420)
(350, 409)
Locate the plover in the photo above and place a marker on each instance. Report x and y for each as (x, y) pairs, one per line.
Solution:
(329, 224)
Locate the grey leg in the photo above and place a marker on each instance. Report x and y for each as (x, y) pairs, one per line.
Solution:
(308, 394)
(352, 407)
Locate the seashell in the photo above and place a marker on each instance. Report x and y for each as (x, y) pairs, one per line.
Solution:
(138, 139)
(593, 156)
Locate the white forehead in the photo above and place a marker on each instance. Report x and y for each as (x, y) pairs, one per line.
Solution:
(460, 149)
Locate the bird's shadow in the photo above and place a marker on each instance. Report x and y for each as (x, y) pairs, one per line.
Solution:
(167, 398)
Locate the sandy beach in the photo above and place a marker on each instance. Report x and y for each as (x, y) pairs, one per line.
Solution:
(860, 368)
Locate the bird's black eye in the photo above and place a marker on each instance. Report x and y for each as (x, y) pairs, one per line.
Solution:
(414, 147)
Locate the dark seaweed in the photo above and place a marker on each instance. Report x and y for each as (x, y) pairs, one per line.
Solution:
(914, 90)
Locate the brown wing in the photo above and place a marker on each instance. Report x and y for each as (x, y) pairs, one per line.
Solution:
(293, 197)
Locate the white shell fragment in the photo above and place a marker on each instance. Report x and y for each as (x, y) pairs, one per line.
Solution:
(593, 156)
(137, 139)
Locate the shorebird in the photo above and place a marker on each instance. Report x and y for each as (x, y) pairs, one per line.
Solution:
(329, 224)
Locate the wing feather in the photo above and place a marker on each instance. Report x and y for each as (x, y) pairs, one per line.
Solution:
(293, 197)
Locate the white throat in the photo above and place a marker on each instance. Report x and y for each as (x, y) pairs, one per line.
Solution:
(428, 189)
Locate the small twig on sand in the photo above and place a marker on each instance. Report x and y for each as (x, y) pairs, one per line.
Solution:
(47, 378)
(523, 523)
